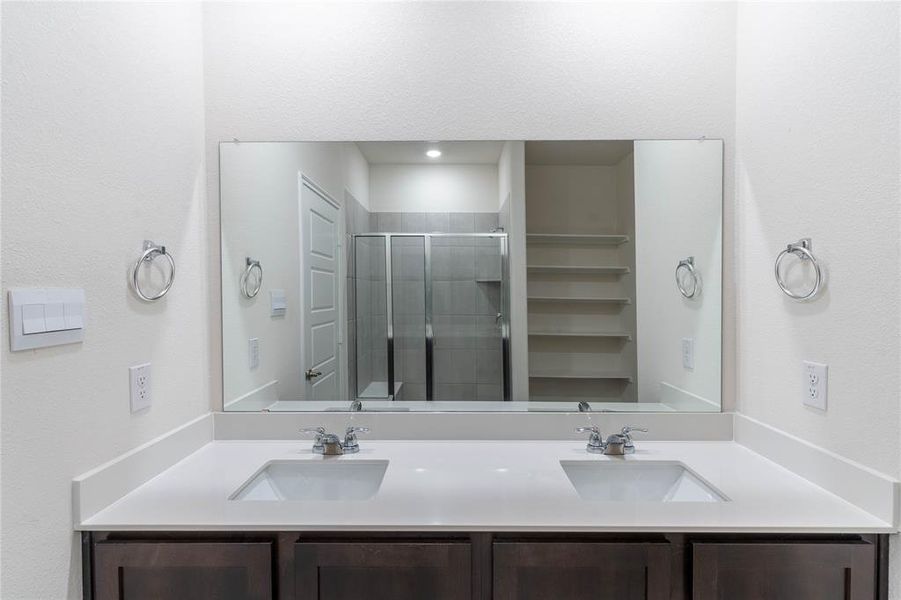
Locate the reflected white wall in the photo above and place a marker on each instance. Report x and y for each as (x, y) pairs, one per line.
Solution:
(678, 213)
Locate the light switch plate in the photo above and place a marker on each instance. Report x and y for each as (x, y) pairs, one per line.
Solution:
(815, 379)
(278, 303)
(253, 347)
(688, 353)
(141, 389)
(40, 317)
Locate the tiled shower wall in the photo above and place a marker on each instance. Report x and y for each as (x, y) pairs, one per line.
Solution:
(466, 275)
(357, 220)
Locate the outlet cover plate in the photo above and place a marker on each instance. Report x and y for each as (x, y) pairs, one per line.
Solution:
(141, 396)
(815, 380)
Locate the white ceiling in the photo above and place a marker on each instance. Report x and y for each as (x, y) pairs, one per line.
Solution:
(590, 152)
(404, 153)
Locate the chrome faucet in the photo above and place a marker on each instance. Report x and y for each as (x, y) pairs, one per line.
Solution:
(351, 445)
(584, 406)
(626, 433)
(616, 444)
(595, 445)
(329, 444)
(356, 406)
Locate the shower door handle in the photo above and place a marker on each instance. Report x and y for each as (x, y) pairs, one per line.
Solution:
(311, 374)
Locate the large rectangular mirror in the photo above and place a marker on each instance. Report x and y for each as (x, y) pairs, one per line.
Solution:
(472, 276)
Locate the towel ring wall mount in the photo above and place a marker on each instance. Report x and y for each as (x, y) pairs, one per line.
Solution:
(251, 265)
(803, 249)
(688, 266)
(151, 251)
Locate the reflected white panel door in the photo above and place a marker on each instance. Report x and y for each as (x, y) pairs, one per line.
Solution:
(319, 244)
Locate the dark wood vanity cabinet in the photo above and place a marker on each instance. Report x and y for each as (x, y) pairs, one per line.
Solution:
(150, 570)
(483, 566)
(784, 571)
(382, 570)
(582, 570)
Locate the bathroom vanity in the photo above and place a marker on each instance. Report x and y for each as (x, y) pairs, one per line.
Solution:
(475, 304)
(509, 519)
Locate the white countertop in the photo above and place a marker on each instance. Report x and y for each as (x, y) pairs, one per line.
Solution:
(482, 486)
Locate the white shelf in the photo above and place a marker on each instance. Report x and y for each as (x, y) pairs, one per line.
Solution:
(576, 239)
(578, 270)
(570, 300)
(588, 334)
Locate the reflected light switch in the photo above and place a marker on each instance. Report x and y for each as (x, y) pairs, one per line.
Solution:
(278, 303)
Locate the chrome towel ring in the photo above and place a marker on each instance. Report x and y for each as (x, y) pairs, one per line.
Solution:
(688, 265)
(803, 250)
(151, 251)
(251, 266)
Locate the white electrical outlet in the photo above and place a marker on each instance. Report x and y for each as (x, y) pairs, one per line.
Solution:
(688, 353)
(816, 377)
(141, 390)
(253, 348)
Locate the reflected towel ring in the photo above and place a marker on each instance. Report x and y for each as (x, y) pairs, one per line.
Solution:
(688, 264)
(802, 249)
(251, 265)
(151, 251)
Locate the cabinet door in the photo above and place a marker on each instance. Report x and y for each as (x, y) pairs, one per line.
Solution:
(582, 571)
(784, 571)
(383, 571)
(200, 571)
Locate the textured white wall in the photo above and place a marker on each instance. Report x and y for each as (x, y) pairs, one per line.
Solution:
(818, 156)
(433, 188)
(818, 142)
(678, 213)
(482, 71)
(102, 108)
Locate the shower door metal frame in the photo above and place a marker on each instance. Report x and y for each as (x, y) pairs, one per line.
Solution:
(428, 313)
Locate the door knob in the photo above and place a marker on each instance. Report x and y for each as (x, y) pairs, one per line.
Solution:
(311, 374)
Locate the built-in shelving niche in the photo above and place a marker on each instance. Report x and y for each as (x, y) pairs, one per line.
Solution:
(580, 224)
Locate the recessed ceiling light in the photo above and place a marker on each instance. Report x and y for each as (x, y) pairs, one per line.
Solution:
(433, 153)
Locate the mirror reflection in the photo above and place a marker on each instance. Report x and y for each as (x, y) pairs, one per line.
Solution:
(539, 275)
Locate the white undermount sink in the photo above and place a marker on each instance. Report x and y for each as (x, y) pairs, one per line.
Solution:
(311, 480)
(637, 481)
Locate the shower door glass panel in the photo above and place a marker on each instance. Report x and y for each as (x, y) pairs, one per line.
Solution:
(371, 321)
(409, 311)
(468, 320)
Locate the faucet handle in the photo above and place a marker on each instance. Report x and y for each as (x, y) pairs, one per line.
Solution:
(628, 429)
(626, 434)
(350, 439)
(317, 441)
(595, 443)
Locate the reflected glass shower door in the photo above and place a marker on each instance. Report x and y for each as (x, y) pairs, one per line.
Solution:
(468, 316)
(430, 317)
(408, 283)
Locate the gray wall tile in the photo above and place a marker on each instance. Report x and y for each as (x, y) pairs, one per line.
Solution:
(456, 391)
(415, 222)
(438, 222)
(390, 222)
(461, 223)
(484, 222)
